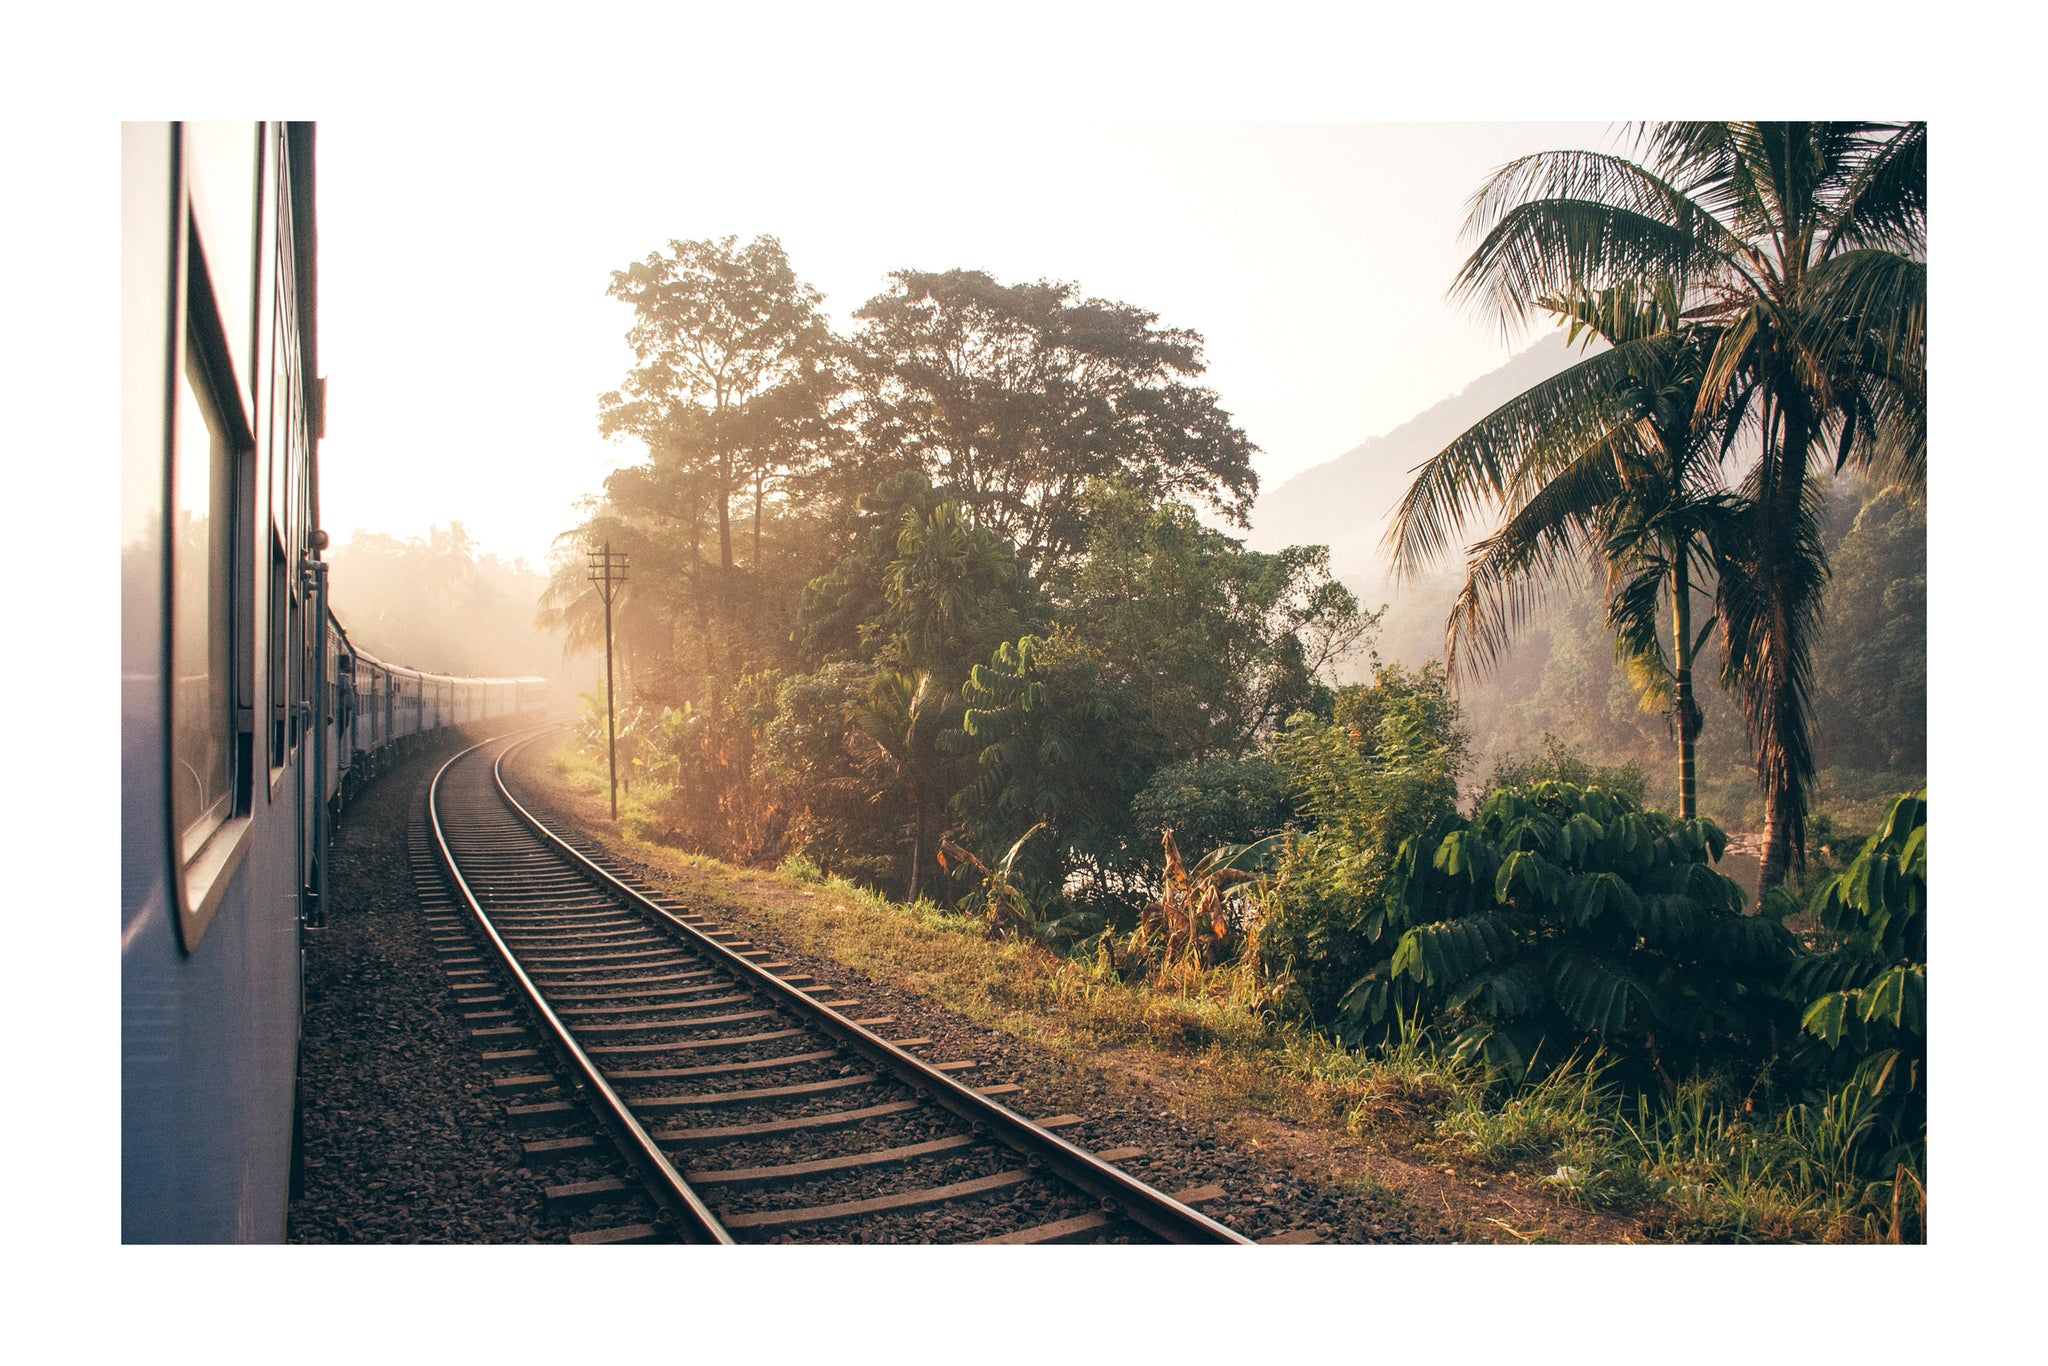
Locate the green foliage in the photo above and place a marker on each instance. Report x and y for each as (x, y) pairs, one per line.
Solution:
(1558, 761)
(1361, 709)
(1216, 801)
(903, 718)
(734, 358)
(1800, 248)
(1012, 398)
(1564, 920)
(704, 755)
(1865, 994)
(1324, 924)
(1218, 643)
(922, 590)
(825, 771)
(1870, 668)
(1055, 746)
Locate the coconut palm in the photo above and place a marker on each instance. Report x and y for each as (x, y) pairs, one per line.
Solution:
(1804, 246)
(1602, 464)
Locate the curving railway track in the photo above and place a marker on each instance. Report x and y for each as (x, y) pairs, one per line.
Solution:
(741, 1102)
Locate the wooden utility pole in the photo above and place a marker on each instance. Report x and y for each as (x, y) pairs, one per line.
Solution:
(608, 572)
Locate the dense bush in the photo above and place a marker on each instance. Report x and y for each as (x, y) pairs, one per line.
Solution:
(1555, 760)
(1055, 746)
(1362, 793)
(1562, 920)
(1212, 802)
(1865, 992)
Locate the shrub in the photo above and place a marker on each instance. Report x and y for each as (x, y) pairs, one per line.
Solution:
(1212, 802)
(1560, 761)
(1865, 995)
(1322, 924)
(1563, 920)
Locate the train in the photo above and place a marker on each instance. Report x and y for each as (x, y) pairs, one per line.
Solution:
(249, 719)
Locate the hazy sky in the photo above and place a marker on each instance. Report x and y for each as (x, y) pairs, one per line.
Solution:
(466, 333)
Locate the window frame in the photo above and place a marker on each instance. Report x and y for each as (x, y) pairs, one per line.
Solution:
(203, 872)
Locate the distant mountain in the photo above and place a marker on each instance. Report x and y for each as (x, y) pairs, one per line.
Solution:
(1346, 503)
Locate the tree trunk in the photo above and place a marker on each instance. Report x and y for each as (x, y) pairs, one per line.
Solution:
(916, 845)
(1688, 714)
(724, 511)
(757, 523)
(1777, 854)
(1781, 738)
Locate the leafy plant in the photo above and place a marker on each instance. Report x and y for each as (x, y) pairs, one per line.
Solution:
(1207, 802)
(1056, 743)
(1564, 920)
(1867, 995)
(1565, 762)
(1386, 770)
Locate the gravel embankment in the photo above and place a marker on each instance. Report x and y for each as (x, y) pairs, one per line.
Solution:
(403, 1139)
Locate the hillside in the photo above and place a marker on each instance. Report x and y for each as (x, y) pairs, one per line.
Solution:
(1560, 676)
(1344, 503)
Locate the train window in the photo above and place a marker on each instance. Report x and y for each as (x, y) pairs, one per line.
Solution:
(202, 634)
(280, 650)
(211, 532)
(223, 173)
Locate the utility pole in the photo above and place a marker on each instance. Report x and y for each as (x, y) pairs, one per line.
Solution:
(608, 572)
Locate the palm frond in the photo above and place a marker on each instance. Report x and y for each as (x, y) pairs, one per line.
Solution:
(1865, 312)
(1522, 441)
(1541, 550)
(1549, 247)
(1884, 204)
(1721, 387)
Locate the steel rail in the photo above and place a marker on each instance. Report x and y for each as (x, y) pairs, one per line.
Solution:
(691, 1217)
(1117, 1192)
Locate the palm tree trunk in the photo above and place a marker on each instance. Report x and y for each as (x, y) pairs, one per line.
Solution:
(1688, 714)
(1784, 766)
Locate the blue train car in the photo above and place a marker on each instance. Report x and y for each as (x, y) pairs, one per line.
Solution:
(247, 717)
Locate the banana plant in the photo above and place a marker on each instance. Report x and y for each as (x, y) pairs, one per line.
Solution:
(1004, 901)
(1202, 910)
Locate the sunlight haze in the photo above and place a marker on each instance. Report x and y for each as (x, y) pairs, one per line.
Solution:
(466, 332)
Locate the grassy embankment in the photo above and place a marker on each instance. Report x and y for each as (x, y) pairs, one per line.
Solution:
(1564, 1161)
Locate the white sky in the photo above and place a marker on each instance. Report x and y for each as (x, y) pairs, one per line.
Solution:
(466, 333)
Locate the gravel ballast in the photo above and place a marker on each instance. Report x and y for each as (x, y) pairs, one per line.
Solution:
(403, 1141)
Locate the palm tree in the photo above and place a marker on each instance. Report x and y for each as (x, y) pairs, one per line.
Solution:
(1804, 245)
(904, 717)
(1602, 463)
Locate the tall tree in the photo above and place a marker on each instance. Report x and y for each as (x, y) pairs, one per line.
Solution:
(1606, 463)
(1805, 245)
(1013, 397)
(1219, 643)
(731, 333)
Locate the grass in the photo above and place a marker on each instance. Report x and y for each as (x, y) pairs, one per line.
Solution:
(1700, 1167)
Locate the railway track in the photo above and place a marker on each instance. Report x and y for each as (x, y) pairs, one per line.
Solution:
(741, 1101)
